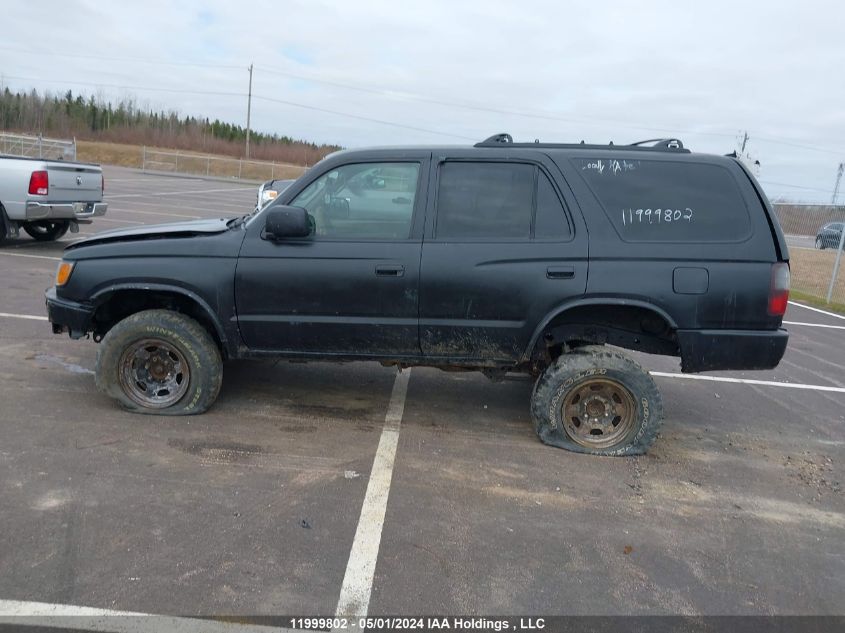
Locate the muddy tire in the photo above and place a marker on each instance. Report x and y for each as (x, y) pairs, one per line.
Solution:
(160, 362)
(597, 401)
(46, 230)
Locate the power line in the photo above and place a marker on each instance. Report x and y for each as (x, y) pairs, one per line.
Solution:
(254, 96)
(786, 184)
(363, 118)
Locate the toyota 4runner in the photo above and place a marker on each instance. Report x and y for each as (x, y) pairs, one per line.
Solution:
(501, 257)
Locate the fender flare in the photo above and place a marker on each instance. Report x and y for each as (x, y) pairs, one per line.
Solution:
(591, 301)
(97, 300)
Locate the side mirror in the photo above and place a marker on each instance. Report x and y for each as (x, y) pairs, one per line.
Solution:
(284, 221)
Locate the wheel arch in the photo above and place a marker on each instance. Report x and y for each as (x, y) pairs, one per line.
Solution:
(134, 297)
(560, 312)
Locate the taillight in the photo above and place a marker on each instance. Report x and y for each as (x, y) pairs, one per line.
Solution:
(779, 289)
(39, 183)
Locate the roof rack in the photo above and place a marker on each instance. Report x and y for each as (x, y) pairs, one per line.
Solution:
(655, 144)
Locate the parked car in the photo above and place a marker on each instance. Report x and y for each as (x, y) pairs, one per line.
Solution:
(46, 198)
(502, 257)
(268, 191)
(829, 235)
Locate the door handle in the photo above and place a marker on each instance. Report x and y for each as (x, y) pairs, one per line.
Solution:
(401, 200)
(390, 270)
(560, 272)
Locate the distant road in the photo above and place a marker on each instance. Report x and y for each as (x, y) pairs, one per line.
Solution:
(801, 241)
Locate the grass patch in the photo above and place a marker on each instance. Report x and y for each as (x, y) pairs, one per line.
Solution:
(197, 163)
(817, 302)
(811, 270)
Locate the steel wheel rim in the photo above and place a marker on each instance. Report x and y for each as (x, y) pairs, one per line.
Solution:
(153, 373)
(598, 413)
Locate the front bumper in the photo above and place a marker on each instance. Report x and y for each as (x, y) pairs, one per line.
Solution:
(68, 316)
(704, 350)
(65, 210)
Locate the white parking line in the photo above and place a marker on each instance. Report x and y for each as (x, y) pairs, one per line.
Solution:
(31, 317)
(833, 327)
(167, 215)
(748, 381)
(801, 305)
(69, 617)
(176, 193)
(358, 580)
(57, 259)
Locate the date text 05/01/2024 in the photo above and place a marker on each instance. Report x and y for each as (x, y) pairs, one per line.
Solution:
(453, 623)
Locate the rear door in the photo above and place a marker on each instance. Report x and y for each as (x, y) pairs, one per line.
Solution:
(502, 250)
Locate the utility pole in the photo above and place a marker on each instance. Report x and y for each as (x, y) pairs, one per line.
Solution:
(838, 180)
(841, 245)
(248, 109)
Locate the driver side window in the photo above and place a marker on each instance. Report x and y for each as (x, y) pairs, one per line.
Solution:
(362, 201)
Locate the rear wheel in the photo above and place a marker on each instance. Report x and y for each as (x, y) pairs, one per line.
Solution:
(160, 362)
(597, 401)
(47, 230)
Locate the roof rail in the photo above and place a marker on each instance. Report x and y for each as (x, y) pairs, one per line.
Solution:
(496, 139)
(667, 143)
(655, 144)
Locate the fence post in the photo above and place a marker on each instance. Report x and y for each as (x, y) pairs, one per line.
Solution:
(207, 165)
(144, 158)
(835, 271)
(273, 170)
(40, 151)
(176, 168)
(240, 165)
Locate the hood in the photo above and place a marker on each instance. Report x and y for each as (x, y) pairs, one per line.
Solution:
(156, 231)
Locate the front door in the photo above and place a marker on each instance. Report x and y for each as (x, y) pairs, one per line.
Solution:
(350, 288)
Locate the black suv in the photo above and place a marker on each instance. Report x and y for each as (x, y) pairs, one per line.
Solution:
(500, 257)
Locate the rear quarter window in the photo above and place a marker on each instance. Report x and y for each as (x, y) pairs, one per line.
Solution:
(668, 201)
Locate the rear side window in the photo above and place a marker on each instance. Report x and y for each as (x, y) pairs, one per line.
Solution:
(663, 201)
(497, 200)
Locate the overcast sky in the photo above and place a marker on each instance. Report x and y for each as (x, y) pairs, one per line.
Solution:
(453, 71)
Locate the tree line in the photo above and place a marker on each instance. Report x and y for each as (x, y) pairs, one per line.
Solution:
(125, 121)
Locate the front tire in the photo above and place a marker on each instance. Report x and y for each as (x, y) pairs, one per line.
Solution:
(820, 243)
(47, 230)
(160, 362)
(597, 401)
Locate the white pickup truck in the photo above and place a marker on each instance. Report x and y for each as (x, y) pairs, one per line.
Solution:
(46, 198)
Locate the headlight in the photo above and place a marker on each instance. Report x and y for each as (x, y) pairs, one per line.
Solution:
(63, 273)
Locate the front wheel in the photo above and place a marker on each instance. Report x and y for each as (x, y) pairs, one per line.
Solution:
(819, 243)
(597, 401)
(46, 230)
(160, 362)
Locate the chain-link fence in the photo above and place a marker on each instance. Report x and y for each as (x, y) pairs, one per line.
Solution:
(814, 235)
(37, 147)
(204, 165)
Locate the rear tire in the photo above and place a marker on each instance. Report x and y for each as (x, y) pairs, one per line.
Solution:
(597, 401)
(46, 230)
(160, 362)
